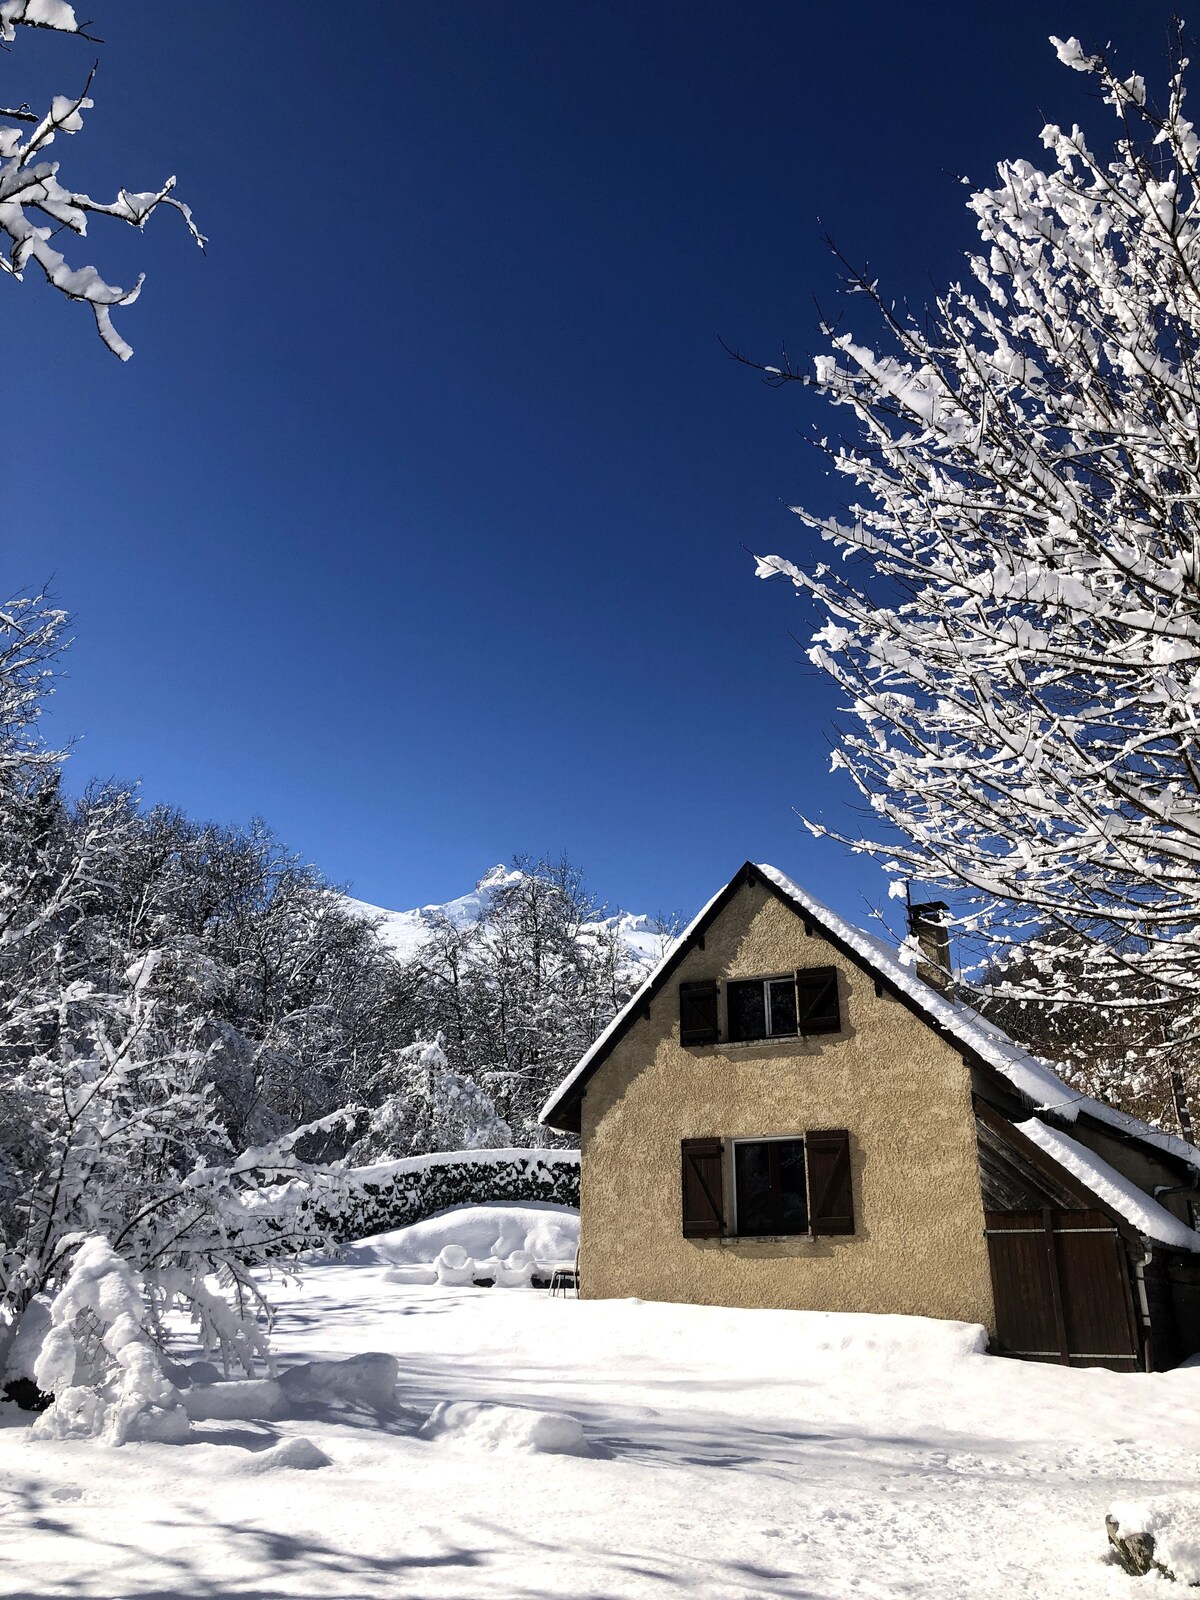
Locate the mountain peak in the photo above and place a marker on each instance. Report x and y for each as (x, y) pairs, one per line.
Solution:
(499, 877)
(404, 932)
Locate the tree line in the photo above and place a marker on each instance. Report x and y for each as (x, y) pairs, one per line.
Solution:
(191, 1017)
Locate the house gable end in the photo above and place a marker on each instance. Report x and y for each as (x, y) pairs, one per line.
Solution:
(563, 1109)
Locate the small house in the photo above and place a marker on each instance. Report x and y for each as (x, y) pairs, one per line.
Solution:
(790, 1112)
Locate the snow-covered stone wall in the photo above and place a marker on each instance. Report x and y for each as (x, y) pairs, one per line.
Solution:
(396, 1193)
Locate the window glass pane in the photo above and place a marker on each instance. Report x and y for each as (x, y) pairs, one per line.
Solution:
(769, 1181)
(755, 1202)
(793, 1201)
(747, 1010)
(783, 1005)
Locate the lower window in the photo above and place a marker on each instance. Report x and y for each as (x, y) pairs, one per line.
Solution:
(769, 1186)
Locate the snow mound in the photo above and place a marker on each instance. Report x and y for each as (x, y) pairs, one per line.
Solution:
(507, 1430)
(411, 1275)
(248, 1399)
(363, 1380)
(368, 1380)
(155, 1426)
(298, 1453)
(1174, 1527)
(489, 1234)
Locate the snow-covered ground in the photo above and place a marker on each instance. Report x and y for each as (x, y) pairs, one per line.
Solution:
(731, 1454)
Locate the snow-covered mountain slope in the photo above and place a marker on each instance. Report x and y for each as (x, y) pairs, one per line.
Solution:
(403, 932)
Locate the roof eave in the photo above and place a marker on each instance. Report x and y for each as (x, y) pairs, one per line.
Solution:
(563, 1111)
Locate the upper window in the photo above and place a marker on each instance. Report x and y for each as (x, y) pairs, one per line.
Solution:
(761, 1008)
(768, 1008)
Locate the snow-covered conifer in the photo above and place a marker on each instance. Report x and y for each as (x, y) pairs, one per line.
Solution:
(426, 1105)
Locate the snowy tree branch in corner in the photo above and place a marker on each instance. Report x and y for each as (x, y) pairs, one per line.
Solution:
(31, 194)
(1015, 617)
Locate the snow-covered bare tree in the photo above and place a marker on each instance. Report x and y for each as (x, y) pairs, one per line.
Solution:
(419, 1103)
(520, 994)
(1112, 1052)
(299, 998)
(35, 205)
(1014, 616)
(130, 1148)
(139, 956)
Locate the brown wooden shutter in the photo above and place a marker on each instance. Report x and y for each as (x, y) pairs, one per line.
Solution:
(698, 1012)
(703, 1189)
(817, 1008)
(830, 1194)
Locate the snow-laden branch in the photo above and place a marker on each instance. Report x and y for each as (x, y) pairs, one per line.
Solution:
(35, 206)
(1015, 620)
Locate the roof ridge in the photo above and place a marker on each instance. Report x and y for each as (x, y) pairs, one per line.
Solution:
(1034, 1079)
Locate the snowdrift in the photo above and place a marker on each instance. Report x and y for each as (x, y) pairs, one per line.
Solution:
(506, 1243)
(507, 1430)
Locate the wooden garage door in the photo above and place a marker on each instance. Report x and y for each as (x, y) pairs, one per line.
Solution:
(1061, 1283)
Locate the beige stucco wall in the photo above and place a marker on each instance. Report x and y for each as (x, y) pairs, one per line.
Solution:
(918, 1245)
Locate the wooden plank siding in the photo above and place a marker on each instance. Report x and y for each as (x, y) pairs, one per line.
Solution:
(1062, 1291)
(1010, 1180)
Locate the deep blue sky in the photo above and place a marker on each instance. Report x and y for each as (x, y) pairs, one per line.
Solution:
(418, 522)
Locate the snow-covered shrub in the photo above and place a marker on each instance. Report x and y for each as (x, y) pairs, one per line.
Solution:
(98, 1360)
(19, 1351)
(1161, 1535)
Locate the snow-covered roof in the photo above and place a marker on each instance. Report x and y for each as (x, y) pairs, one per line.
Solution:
(639, 997)
(1113, 1187)
(1034, 1079)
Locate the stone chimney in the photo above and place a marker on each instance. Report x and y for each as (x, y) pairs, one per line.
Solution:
(927, 924)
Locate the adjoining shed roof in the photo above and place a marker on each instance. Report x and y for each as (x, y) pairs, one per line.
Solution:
(1112, 1187)
(1034, 1080)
